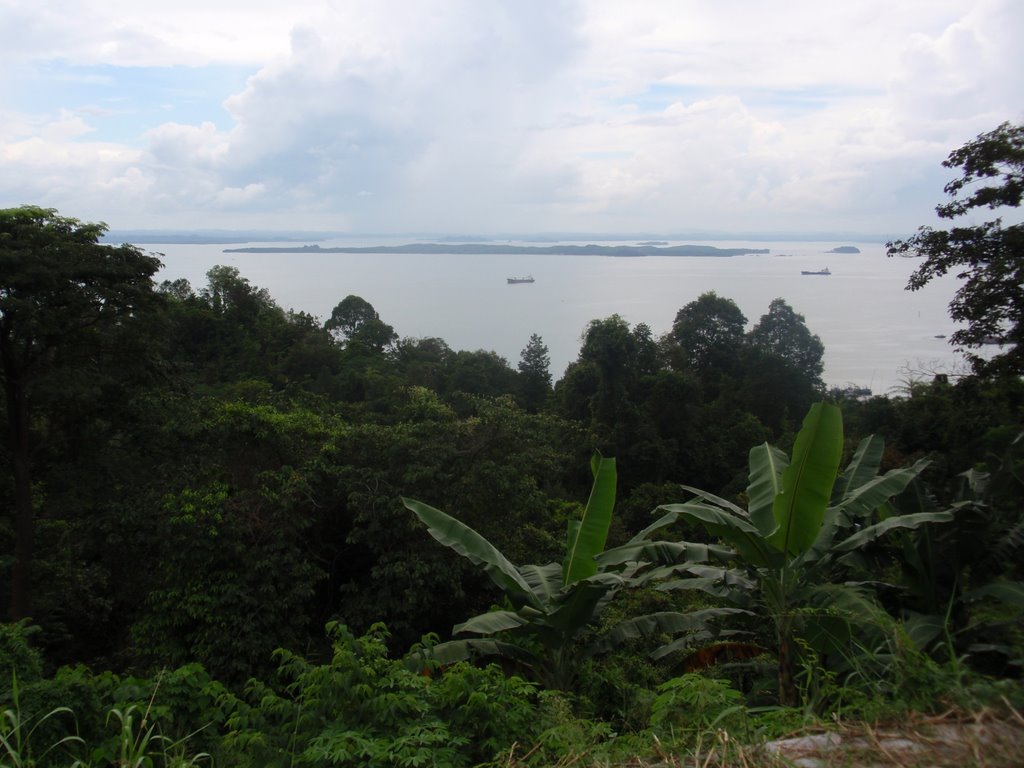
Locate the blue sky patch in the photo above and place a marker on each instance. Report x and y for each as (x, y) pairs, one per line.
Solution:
(122, 103)
(659, 96)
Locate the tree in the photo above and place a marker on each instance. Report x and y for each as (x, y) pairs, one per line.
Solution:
(708, 331)
(535, 374)
(782, 333)
(611, 347)
(355, 321)
(480, 373)
(60, 292)
(988, 257)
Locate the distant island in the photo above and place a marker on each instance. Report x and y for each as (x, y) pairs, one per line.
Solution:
(845, 249)
(489, 248)
(654, 242)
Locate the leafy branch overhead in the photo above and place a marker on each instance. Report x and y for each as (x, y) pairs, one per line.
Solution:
(988, 256)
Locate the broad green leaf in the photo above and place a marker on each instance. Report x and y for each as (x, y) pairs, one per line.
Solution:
(924, 629)
(544, 580)
(859, 503)
(721, 582)
(765, 483)
(664, 553)
(728, 576)
(807, 481)
(873, 532)
(707, 585)
(822, 546)
(478, 550)
(662, 522)
(588, 538)
(664, 622)
(491, 623)
(1009, 592)
(473, 648)
(862, 467)
(723, 503)
(582, 601)
(737, 531)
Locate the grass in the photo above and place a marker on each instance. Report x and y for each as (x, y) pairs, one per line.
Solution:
(984, 739)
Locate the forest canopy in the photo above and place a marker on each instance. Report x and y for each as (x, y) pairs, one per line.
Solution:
(199, 482)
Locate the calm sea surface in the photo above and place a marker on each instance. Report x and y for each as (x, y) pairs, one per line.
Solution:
(874, 331)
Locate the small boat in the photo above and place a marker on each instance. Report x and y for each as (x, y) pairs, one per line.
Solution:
(819, 272)
(515, 280)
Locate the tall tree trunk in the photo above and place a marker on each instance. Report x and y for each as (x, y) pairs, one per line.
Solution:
(24, 525)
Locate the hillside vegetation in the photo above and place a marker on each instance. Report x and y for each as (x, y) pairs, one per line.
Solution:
(241, 535)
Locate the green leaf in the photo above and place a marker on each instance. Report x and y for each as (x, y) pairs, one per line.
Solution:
(545, 581)
(582, 601)
(859, 503)
(862, 467)
(723, 503)
(720, 582)
(737, 531)
(663, 622)
(662, 522)
(491, 623)
(466, 650)
(664, 553)
(873, 532)
(1009, 592)
(807, 481)
(474, 547)
(765, 483)
(588, 538)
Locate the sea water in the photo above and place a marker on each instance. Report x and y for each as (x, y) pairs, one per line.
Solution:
(876, 333)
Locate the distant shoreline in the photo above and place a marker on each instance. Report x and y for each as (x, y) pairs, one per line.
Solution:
(492, 249)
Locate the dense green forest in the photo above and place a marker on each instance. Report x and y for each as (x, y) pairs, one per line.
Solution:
(242, 534)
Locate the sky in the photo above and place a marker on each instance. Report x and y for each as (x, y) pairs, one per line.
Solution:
(494, 117)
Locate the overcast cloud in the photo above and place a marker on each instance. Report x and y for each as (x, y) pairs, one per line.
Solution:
(519, 116)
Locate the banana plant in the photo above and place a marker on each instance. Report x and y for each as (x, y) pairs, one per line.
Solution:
(549, 606)
(802, 518)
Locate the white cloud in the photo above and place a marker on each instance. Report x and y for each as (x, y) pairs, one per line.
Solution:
(460, 115)
(236, 196)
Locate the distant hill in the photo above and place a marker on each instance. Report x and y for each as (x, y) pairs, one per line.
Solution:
(489, 248)
(845, 249)
(209, 237)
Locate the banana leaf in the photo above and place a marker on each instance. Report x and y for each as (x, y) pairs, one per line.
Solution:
(474, 648)
(491, 623)
(665, 553)
(862, 467)
(832, 612)
(822, 546)
(582, 601)
(909, 522)
(723, 503)
(807, 481)
(1008, 592)
(544, 580)
(860, 502)
(765, 483)
(587, 537)
(662, 522)
(737, 531)
(478, 550)
(662, 623)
